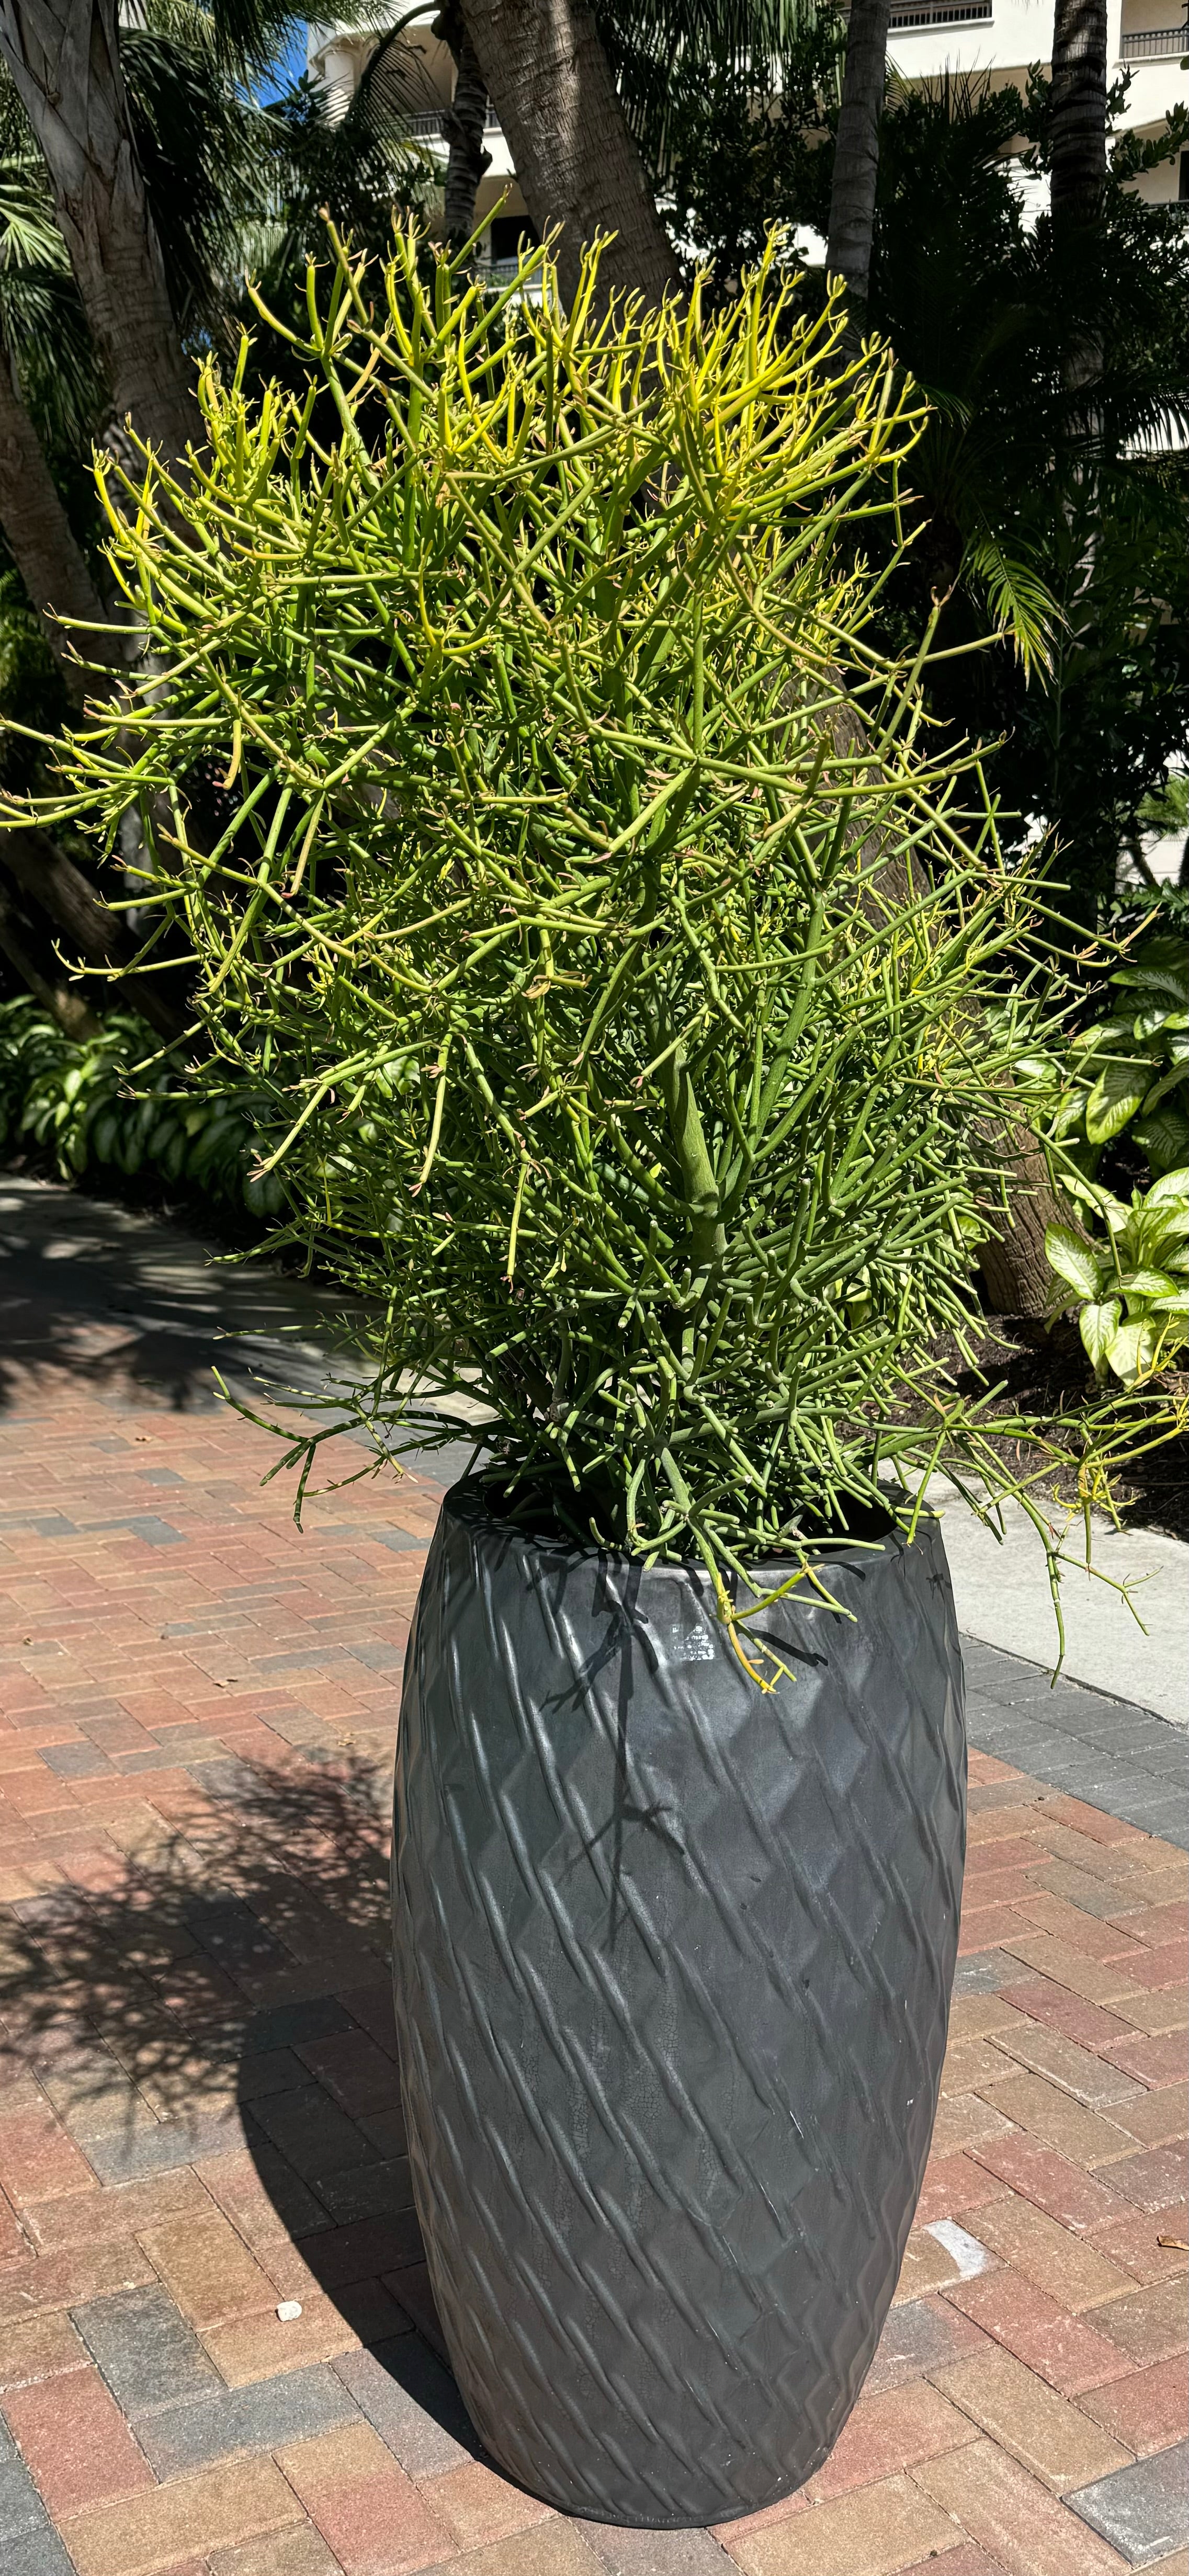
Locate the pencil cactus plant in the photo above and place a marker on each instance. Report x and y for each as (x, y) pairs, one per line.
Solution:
(588, 898)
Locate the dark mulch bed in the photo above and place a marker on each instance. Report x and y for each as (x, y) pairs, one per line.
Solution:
(1045, 1371)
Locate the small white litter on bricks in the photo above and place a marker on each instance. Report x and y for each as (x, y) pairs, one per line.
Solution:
(291, 2308)
(970, 2257)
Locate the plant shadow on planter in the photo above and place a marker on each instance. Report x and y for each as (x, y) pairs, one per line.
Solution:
(222, 1999)
(674, 1961)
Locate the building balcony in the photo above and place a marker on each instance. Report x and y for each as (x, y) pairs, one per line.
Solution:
(429, 126)
(1144, 43)
(948, 13)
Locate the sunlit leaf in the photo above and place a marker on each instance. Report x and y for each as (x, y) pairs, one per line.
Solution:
(1133, 1350)
(1147, 1283)
(1119, 1092)
(1074, 1260)
(1098, 1325)
(1171, 1185)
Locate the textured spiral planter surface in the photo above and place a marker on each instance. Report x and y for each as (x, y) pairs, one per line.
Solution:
(673, 1963)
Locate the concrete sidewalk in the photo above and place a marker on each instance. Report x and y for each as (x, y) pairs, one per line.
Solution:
(1002, 1593)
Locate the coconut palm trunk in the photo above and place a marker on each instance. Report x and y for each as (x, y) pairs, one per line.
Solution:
(49, 880)
(1077, 138)
(463, 127)
(856, 152)
(547, 75)
(1077, 113)
(41, 973)
(43, 545)
(64, 59)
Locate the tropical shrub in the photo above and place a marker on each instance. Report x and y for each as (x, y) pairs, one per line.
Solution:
(1129, 1072)
(588, 904)
(109, 1104)
(1134, 1317)
(1123, 1081)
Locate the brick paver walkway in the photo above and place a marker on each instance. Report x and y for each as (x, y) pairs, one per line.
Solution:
(199, 2117)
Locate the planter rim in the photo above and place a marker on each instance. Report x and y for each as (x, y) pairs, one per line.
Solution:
(467, 1501)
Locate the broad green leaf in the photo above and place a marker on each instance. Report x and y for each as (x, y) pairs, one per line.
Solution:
(1098, 1325)
(1104, 1035)
(1118, 1093)
(1169, 950)
(1172, 1080)
(1163, 1136)
(1170, 979)
(103, 1134)
(1177, 1304)
(1133, 1350)
(1070, 1111)
(1154, 1232)
(1147, 1283)
(1150, 1021)
(1171, 1185)
(1074, 1260)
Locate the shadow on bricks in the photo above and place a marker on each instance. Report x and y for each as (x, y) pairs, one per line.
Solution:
(226, 2002)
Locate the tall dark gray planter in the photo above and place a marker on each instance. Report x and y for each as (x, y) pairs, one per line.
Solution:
(673, 1964)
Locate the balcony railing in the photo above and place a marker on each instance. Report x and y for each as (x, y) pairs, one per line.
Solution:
(958, 13)
(430, 123)
(502, 272)
(1144, 42)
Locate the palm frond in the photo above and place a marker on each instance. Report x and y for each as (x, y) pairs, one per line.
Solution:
(1025, 612)
(647, 41)
(202, 142)
(41, 318)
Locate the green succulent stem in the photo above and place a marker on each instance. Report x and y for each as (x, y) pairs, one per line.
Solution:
(588, 905)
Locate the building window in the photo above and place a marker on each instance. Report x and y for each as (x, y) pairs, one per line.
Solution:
(507, 233)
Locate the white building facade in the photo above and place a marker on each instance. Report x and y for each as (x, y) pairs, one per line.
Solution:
(1147, 38)
(337, 57)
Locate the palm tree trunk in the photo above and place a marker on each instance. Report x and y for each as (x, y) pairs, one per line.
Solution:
(64, 59)
(856, 152)
(48, 879)
(462, 126)
(42, 975)
(43, 546)
(548, 76)
(1012, 1259)
(1077, 138)
(1077, 113)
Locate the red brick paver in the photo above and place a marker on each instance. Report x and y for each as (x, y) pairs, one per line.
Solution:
(199, 2114)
